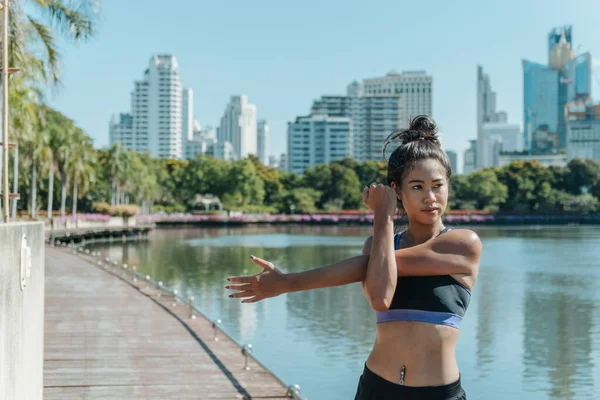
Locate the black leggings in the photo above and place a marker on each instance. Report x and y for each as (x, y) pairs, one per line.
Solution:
(373, 387)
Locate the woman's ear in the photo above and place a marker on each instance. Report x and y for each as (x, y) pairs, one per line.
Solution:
(397, 190)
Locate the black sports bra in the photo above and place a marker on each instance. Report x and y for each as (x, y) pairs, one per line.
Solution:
(438, 300)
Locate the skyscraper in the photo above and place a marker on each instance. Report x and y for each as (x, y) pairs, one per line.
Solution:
(155, 122)
(263, 141)
(452, 156)
(470, 158)
(238, 126)
(121, 131)
(318, 139)
(486, 113)
(156, 108)
(379, 106)
(548, 89)
(187, 120)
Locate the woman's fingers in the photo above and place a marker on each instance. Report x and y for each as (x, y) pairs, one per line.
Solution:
(252, 300)
(246, 293)
(239, 287)
(264, 264)
(243, 279)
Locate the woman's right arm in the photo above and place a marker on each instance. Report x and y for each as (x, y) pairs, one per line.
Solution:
(271, 282)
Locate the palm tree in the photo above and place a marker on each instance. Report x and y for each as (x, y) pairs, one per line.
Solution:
(82, 166)
(36, 29)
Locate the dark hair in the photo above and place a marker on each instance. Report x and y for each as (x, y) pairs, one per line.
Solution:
(418, 142)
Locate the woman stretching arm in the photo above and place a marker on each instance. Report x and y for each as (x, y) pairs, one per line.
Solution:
(456, 252)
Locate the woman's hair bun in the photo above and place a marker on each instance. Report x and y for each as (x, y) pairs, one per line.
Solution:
(421, 127)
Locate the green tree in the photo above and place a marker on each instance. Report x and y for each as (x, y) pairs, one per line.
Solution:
(245, 186)
(528, 183)
(272, 182)
(581, 176)
(461, 195)
(487, 192)
(81, 166)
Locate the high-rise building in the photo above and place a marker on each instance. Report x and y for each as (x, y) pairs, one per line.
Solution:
(274, 161)
(541, 107)
(121, 131)
(379, 106)
(263, 141)
(318, 139)
(238, 126)
(547, 90)
(583, 130)
(155, 121)
(283, 163)
(452, 156)
(498, 137)
(203, 141)
(470, 158)
(156, 108)
(486, 112)
(187, 116)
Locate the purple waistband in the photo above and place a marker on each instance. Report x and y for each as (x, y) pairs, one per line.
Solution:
(432, 317)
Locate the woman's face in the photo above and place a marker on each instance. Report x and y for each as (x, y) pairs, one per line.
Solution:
(424, 192)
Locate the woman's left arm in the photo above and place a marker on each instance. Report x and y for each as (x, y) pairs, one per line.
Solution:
(456, 252)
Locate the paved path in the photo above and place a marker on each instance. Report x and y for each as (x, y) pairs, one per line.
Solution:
(108, 338)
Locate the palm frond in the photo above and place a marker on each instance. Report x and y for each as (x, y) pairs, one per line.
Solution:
(47, 38)
(71, 20)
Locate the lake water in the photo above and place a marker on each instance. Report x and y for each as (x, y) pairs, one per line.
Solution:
(532, 330)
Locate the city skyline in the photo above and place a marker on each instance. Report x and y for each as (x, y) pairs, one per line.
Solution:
(283, 73)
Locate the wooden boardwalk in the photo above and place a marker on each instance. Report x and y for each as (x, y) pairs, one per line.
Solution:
(107, 338)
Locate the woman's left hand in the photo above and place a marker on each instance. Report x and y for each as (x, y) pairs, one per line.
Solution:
(380, 199)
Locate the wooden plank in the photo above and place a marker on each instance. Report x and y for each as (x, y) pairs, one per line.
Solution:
(108, 338)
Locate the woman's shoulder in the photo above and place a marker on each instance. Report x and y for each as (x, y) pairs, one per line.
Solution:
(465, 239)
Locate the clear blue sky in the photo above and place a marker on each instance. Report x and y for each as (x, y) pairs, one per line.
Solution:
(285, 54)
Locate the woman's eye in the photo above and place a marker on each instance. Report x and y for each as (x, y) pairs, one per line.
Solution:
(417, 187)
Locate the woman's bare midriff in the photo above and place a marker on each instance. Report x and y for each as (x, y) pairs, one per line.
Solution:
(426, 351)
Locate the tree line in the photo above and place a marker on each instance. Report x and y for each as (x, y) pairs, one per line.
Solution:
(89, 178)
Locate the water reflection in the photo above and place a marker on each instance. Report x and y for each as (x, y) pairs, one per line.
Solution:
(557, 341)
(532, 330)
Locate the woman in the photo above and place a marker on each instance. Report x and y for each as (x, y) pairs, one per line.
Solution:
(418, 281)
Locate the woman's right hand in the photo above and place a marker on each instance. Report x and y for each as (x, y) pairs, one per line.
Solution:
(269, 283)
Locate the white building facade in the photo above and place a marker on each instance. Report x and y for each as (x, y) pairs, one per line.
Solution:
(155, 122)
(157, 115)
(239, 127)
(498, 137)
(187, 117)
(470, 158)
(583, 130)
(262, 132)
(120, 131)
(317, 139)
(378, 107)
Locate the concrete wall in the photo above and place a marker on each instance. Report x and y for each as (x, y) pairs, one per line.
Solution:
(21, 313)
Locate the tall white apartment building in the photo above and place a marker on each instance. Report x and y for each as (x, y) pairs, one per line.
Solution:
(317, 139)
(262, 131)
(378, 107)
(414, 88)
(156, 108)
(239, 127)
